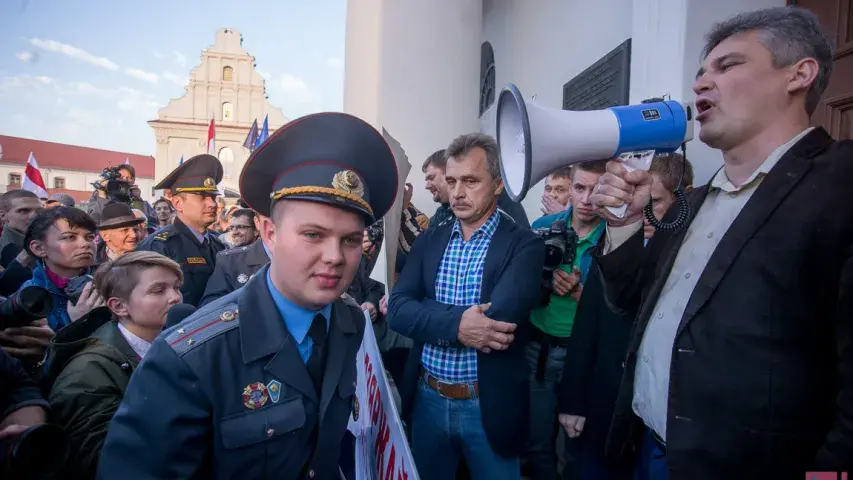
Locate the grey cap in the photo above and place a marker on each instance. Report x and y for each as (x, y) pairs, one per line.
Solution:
(63, 198)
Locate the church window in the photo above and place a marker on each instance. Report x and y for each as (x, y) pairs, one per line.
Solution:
(58, 182)
(15, 179)
(227, 111)
(487, 77)
(226, 156)
(227, 74)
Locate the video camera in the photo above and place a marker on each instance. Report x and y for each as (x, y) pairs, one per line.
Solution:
(25, 306)
(115, 187)
(38, 452)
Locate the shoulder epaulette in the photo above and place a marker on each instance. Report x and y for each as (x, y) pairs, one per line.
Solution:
(164, 233)
(347, 298)
(195, 331)
(232, 251)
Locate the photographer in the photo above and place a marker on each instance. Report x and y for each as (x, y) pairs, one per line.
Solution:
(62, 241)
(118, 184)
(552, 323)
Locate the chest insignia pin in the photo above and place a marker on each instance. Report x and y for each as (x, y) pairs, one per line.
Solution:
(274, 387)
(255, 395)
(242, 278)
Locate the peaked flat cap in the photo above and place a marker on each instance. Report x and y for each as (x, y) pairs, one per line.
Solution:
(331, 158)
(199, 174)
(118, 215)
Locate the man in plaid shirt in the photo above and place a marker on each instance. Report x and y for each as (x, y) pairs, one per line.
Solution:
(464, 297)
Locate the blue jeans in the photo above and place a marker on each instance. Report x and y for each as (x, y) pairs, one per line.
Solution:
(651, 464)
(442, 429)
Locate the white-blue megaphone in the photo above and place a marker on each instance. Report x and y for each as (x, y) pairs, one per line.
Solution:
(534, 141)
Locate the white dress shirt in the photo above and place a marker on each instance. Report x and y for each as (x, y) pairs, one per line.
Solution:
(138, 345)
(717, 213)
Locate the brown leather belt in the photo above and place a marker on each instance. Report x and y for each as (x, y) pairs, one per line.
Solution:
(453, 391)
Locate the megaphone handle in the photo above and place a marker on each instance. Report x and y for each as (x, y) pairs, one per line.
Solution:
(618, 212)
(637, 160)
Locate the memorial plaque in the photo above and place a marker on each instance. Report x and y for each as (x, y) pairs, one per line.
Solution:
(605, 84)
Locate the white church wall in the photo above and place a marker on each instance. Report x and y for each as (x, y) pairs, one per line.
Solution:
(541, 45)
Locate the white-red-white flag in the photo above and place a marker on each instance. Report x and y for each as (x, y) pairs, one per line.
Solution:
(33, 181)
(211, 139)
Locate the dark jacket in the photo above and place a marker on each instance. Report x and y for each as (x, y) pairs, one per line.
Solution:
(18, 389)
(10, 236)
(511, 282)
(365, 289)
(197, 260)
(762, 366)
(233, 269)
(91, 363)
(200, 406)
(594, 362)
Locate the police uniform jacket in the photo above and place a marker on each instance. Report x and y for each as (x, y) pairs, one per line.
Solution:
(233, 269)
(189, 411)
(196, 259)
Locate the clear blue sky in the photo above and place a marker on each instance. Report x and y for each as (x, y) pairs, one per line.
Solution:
(92, 72)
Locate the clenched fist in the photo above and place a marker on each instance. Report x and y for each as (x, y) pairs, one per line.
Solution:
(619, 187)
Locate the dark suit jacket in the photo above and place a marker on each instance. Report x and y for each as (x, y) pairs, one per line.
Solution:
(762, 366)
(594, 362)
(511, 282)
(189, 411)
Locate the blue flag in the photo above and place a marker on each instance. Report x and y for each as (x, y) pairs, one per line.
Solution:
(265, 133)
(181, 160)
(252, 137)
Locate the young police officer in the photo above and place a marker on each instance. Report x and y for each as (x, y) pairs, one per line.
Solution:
(260, 383)
(187, 241)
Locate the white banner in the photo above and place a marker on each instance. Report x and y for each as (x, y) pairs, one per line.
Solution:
(392, 218)
(381, 449)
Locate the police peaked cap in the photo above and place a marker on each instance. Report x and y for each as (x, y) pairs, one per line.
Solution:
(199, 174)
(331, 158)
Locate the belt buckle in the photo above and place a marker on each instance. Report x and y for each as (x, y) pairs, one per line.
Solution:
(438, 387)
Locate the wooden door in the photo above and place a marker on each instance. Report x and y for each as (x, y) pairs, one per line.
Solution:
(835, 112)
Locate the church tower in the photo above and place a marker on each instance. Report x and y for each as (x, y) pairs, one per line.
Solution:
(226, 87)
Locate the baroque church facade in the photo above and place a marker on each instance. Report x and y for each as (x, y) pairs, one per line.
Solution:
(226, 87)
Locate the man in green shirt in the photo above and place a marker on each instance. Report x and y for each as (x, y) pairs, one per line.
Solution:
(552, 323)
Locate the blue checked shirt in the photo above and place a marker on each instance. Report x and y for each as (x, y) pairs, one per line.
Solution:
(458, 282)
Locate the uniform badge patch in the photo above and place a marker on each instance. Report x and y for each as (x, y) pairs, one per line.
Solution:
(196, 261)
(355, 407)
(255, 395)
(274, 387)
(242, 278)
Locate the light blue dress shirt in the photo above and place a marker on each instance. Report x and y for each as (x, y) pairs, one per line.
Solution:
(297, 319)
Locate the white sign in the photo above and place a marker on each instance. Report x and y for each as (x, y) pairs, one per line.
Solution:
(381, 449)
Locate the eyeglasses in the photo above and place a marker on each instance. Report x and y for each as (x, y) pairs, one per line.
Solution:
(232, 228)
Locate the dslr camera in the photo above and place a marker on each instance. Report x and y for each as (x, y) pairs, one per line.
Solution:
(25, 306)
(115, 188)
(561, 244)
(376, 232)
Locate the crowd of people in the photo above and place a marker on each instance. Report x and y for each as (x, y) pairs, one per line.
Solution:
(191, 339)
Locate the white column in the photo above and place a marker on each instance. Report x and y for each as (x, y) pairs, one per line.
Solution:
(413, 67)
